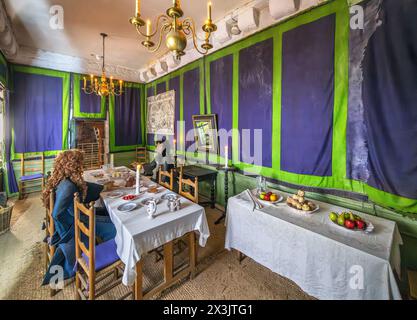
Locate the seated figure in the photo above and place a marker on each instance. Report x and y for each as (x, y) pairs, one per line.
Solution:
(161, 158)
(66, 180)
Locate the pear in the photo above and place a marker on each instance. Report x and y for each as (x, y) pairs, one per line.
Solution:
(341, 220)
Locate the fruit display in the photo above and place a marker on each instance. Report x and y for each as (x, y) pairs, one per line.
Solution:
(299, 202)
(348, 220)
(269, 196)
(129, 197)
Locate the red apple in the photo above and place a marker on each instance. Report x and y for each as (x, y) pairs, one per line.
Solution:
(349, 224)
(266, 198)
(360, 225)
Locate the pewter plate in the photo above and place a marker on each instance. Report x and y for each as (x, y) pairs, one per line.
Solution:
(169, 196)
(127, 207)
(146, 200)
(115, 194)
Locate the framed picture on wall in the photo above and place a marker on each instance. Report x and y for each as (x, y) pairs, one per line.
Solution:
(205, 133)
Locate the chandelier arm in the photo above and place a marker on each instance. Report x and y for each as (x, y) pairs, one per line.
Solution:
(165, 20)
(163, 29)
(189, 23)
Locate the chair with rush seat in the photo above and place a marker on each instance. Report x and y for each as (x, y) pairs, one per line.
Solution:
(94, 263)
(32, 174)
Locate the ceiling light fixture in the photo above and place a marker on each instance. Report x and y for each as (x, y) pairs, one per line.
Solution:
(100, 86)
(176, 30)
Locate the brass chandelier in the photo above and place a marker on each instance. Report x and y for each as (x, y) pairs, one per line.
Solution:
(176, 30)
(101, 86)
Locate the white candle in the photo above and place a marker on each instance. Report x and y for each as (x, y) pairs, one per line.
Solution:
(137, 8)
(112, 160)
(226, 156)
(209, 11)
(138, 179)
(175, 147)
(148, 28)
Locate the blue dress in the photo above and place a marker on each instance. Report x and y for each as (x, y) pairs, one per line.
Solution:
(63, 238)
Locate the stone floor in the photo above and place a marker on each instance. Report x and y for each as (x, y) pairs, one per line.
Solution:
(220, 275)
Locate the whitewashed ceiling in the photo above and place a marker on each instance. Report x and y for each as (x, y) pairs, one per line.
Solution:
(72, 48)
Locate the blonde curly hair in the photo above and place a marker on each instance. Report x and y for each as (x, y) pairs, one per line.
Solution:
(68, 165)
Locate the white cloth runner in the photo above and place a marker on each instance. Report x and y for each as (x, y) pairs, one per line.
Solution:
(326, 261)
(137, 234)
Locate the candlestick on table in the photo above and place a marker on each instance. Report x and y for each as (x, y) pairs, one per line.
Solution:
(175, 152)
(138, 179)
(226, 156)
(226, 189)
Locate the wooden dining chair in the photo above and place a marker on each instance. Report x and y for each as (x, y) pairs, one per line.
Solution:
(163, 175)
(32, 174)
(49, 232)
(192, 186)
(94, 263)
(141, 153)
(190, 194)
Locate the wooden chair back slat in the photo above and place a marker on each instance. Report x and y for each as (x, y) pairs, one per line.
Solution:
(83, 248)
(84, 229)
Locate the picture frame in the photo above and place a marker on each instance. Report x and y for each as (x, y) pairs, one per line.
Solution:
(205, 133)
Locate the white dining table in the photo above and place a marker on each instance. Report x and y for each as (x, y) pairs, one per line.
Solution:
(138, 234)
(327, 261)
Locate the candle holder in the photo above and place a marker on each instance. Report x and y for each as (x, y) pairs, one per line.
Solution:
(226, 188)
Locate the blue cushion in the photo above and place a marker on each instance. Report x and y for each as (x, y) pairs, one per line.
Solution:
(106, 255)
(31, 177)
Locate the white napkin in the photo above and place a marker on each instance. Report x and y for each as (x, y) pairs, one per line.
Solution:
(256, 203)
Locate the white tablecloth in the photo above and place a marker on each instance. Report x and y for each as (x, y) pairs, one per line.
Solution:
(326, 261)
(137, 234)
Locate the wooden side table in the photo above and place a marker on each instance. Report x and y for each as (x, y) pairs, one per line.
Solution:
(226, 189)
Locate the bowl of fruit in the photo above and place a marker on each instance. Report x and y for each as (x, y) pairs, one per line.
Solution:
(350, 221)
(301, 204)
(269, 197)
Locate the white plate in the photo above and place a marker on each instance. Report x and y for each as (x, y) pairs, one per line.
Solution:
(302, 211)
(369, 227)
(126, 207)
(280, 198)
(115, 194)
(145, 201)
(103, 181)
(97, 174)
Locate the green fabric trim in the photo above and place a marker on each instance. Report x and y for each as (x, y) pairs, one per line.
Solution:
(340, 101)
(65, 76)
(113, 147)
(77, 101)
(4, 78)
